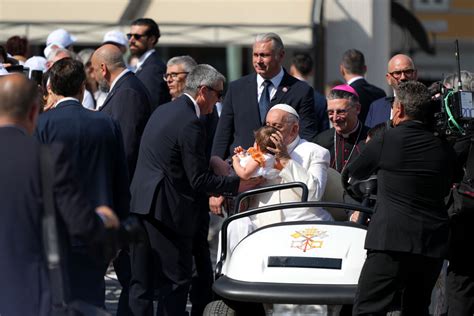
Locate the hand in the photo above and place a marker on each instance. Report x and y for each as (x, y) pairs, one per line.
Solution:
(215, 204)
(108, 217)
(355, 216)
(280, 150)
(238, 150)
(251, 183)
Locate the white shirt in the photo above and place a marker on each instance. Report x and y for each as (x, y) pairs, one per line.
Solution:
(64, 100)
(143, 57)
(196, 106)
(349, 82)
(88, 100)
(273, 88)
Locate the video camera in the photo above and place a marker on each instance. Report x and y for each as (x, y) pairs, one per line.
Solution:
(35, 75)
(453, 107)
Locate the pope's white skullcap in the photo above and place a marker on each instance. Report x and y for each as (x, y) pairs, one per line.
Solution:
(286, 108)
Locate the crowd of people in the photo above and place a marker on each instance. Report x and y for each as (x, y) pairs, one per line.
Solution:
(163, 143)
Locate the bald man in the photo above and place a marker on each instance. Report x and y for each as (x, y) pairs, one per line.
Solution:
(127, 101)
(399, 69)
(23, 266)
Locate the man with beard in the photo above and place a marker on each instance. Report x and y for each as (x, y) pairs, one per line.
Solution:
(399, 69)
(142, 39)
(127, 101)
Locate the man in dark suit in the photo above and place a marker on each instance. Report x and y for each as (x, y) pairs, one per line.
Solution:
(23, 269)
(353, 69)
(95, 144)
(171, 171)
(400, 68)
(302, 68)
(249, 98)
(407, 238)
(142, 39)
(177, 70)
(127, 101)
(345, 139)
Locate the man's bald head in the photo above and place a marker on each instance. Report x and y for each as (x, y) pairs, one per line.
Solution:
(110, 55)
(18, 96)
(107, 63)
(400, 68)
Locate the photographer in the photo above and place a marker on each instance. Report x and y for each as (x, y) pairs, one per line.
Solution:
(407, 238)
(460, 280)
(26, 289)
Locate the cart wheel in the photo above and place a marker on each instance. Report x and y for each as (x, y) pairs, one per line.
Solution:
(218, 308)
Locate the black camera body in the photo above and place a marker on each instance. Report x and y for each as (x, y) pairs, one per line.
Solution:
(454, 113)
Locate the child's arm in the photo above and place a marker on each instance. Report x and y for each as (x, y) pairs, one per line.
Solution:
(246, 172)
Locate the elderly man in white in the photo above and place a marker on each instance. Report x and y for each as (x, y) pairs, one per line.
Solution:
(301, 161)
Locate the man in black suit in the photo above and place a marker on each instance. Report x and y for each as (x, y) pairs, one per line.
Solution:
(23, 269)
(171, 171)
(249, 98)
(400, 68)
(407, 238)
(142, 39)
(95, 144)
(353, 69)
(127, 101)
(177, 70)
(345, 139)
(302, 68)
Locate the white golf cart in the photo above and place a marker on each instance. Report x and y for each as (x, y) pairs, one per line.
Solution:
(301, 262)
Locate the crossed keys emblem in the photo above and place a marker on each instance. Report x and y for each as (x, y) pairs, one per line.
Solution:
(305, 239)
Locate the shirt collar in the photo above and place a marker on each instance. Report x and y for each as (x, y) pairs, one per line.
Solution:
(350, 81)
(275, 80)
(293, 144)
(123, 73)
(196, 106)
(64, 100)
(143, 57)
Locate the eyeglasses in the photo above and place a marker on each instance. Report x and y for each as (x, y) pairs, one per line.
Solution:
(136, 36)
(398, 73)
(340, 112)
(219, 93)
(173, 75)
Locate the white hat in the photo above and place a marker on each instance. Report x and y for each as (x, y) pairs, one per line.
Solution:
(61, 37)
(116, 37)
(3, 71)
(48, 49)
(36, 63)
(286, 108)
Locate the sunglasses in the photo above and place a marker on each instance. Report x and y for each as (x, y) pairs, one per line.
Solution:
(136, 36)
(219, 93)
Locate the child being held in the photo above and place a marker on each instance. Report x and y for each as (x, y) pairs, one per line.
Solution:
(257, 160)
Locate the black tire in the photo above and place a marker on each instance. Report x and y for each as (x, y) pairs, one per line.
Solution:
(218, 308)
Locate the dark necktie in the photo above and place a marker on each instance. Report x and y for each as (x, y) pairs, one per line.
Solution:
(264, 103)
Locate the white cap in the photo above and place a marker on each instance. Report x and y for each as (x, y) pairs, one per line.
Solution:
(3, 71)
(36, 63)
(48, 49)
(286, 108)
(116, 37)
(61, 37)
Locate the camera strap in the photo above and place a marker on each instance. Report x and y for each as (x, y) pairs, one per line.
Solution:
(50, 232)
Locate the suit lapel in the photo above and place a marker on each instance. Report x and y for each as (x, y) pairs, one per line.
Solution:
(282, 89)
(112, 92)
(252, 99)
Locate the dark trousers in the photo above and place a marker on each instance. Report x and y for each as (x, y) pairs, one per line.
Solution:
(86, 277)
(386, 274)
(122, 269)
(201, 287)
(460, 280)
(162, 262)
